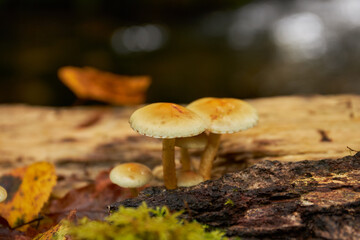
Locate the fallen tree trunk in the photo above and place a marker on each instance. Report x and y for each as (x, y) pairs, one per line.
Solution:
(82, 141)
(274, 200)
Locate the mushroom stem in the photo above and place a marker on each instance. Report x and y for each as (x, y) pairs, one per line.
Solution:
(185, 159)
(208, 155)
(168, 161)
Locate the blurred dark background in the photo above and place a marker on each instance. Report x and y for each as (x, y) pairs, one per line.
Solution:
(191, 49)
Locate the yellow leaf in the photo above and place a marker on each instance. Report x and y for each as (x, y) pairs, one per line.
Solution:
(57, 232)
(28, 190)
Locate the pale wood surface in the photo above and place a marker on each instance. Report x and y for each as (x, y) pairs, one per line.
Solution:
(82, 141)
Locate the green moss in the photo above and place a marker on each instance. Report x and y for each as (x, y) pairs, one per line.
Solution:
(142, 223)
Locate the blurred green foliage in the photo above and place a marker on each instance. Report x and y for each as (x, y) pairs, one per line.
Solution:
(142, 223)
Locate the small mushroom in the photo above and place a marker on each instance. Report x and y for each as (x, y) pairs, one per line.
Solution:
(158, 171)
(167, 121)
(131, 175)
(225, 115)
(189, 178)
(195, 142)
(3, 194)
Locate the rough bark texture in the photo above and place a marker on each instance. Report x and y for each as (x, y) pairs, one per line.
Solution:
(82, 141)
(273, 200)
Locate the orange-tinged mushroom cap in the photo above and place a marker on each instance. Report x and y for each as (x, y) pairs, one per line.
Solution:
(189, 178)
(130, 175)
(166, 120)
(225, 115)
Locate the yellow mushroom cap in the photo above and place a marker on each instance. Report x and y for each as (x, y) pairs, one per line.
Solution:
(166, 120)
(188, 179)
(198, 141)
(225, 115)
(3, 194)
(130, 175)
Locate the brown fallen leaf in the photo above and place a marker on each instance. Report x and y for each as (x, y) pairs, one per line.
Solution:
(28, 189)
(92, 84)
(8, 234)
(91, 200)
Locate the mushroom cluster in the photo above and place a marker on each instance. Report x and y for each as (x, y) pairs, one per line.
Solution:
(199, 125)
(167, 121)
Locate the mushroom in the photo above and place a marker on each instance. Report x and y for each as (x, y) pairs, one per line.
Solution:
(167, 121)
(3, 194)
(189, 178)
(131, 175)
(195, 142)
(158, 171)
(225, 115)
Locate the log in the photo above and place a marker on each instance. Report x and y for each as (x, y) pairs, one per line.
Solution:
(272, 200)
(82, 141)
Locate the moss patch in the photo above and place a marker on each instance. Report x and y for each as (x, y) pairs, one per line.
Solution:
(142, 223)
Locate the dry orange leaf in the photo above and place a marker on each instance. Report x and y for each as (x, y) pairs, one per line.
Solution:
(90, 83)
(28, 190)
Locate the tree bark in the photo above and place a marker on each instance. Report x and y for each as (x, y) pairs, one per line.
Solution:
(272, 200)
